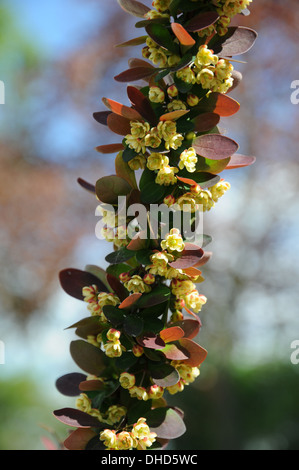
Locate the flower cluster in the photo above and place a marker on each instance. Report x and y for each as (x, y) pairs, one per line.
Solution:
(139, 438)
(137, 345)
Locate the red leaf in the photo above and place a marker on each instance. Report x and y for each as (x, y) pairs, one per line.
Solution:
(79, 439)
(187, 181)
(204, 259)
(119, 124)
(215, 146)
(171, 334)
(117, 287)
(237, 41)
(183, 36)
(191, 328)
(196, 352)
(129, 301)
(174, 115)
(136, 62)
(175, 352)
(68, 384)
(240, 161)
(122, 110)
(91, 385)
(138, 242)
(219, 103)
(110, 148)
(135, 73)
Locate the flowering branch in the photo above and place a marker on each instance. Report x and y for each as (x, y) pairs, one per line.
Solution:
(137, 342)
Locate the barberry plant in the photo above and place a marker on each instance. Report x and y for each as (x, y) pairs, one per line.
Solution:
(136, 342)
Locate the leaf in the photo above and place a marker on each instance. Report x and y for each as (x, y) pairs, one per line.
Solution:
(76, 418)
(110, 148)
(202, 21)
(134, 8)
(240, 161)
(119, 124)
(152, 193)
(114, 315)
(79, 439)
(100, 273)
(183, 36)
(174, 115)
(190, 328)
(117, 287)
(164, 375)
(236, 41)
(87, 326)
(135, 73)
(219, 103)
(133, 325)
(137, 410)
(123, 170)
(237, 79)
(158, 295)
(122, 110)
(101, 117)
(88, 186)
(215, 146)
(171, 334)
(142, 104)
(129, 301)
(190, 256)
(109, 188)
(212, 166)
(88, 357)
(206, 122)
(68, 384)
(138, 242)
(119, 256)
(204, 259)
(166, 423)
(151, 341)
(91, 386)
(160, 34)
(174, 352)
(196, 352)
(73, 280)
(133, 42)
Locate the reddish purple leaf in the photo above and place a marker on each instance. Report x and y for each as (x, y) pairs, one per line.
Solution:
(122, 110)
(206, 121)
(142, 104)
(117, 287)
(110, 148)
(134, 8)
(79, 439)
(240, 161)
(202, 21)
(76, 418)
(175, 352)
(68, 384)
(204, 259)
(101, 117)
(166, 423)
(151, 341)
(219, 103)
(135, 73)
(237, 41)
(88, 186)
(88, 357)
(215, 146)
(191, 328)
(190, 256)
(91, 385)
(73, 280)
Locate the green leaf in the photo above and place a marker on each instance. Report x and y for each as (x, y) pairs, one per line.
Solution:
(114, 315)
(119, 256)
(109, 188)
(152, 193)
(158, 295)
(133, 325)
(161, 35)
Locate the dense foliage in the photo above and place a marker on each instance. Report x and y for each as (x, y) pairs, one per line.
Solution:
(137, 344)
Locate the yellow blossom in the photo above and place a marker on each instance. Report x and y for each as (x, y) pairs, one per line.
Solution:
(166, 176)
(173, 241)
(127, 380)
(156, 161)
(188, 159)
(156, 95)
(137, 285)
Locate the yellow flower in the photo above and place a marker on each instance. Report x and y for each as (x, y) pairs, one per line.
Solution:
(155, 392)
(113, 349)
(174, 241)
(186, 75)
(175, 105)
(187, 203)
(137, 163)
(127, 380)
(156, 161)
(83, 403)
(116, 413)
(194, 300)
(219, 189)
(152, 139)
(137, 350)
(124, 441)
(137, 285)
(138, 392)
(166, 176)
(178, 387)
(205, 57)
(188, 159)
(182, 287)
(156, 95)
(192, 100)
(140, 429)
(109, 438)
(113, 335)
(172, 91)
(90, 293)
(167, 129)
(159, 264)
(161, 5)
(158, 56)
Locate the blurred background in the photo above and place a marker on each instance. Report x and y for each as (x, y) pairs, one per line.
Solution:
(57, 61)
